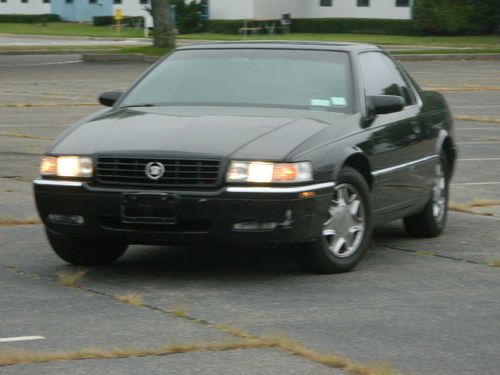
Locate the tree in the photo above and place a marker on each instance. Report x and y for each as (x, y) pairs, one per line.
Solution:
(164, 33)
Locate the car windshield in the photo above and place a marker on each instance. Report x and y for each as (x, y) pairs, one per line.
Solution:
(249, 77)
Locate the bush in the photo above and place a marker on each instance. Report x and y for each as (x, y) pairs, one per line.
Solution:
(29, 18)
(326, 25)
(110, 20)
(223, 26)
(452, 17)
(188, 16)
(353, 26)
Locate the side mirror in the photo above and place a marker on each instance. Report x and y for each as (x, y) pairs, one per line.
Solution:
(109, 98)
(382, 104)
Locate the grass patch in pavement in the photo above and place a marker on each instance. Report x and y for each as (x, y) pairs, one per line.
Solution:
(495, 120)
(133, 299)
(22, 135)
(71, 279)
(494, 263)
(69, 29)
(9, 221)
(10, 356)
(471, 207)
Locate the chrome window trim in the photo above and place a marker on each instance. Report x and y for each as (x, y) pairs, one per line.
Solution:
(403, 166)
(293, 189)
(40, 181)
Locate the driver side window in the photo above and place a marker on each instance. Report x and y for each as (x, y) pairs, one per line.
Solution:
(381, 77)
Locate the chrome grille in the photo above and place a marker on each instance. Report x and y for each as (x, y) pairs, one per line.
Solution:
(131, 171)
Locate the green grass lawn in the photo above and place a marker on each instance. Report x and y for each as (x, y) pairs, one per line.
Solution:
(483, 41)
(68, 29)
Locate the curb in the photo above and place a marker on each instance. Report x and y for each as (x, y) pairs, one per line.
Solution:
(138, 57)
(118, 57)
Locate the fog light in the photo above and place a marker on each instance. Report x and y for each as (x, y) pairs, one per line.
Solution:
(254, 225)
(67, 219)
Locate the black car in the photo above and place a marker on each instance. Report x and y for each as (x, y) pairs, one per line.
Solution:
(310, 145)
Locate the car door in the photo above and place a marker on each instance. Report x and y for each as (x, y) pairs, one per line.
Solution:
(398, 150)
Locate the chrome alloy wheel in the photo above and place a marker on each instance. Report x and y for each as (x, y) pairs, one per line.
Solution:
(345, 228)
(439, 194)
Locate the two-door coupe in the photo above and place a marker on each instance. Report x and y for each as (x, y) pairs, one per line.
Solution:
(305, 144)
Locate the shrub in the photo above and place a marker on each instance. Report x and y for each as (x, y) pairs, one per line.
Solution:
(326, 25)
(451, 17)
(29, 18)
(353, 25)
(110, 20)
(188, 16)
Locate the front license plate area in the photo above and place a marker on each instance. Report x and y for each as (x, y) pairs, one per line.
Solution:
(147, 208)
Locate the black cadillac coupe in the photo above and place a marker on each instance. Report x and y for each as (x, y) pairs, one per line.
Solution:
(309, 145)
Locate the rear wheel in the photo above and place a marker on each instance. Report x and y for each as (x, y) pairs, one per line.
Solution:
(431, 221)
(86, 251)
(345, 233)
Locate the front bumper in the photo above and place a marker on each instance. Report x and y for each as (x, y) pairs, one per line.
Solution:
(202, 216)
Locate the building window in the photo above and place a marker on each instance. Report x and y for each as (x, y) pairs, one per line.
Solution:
(24, 1)
(92, 1)
(143, 1)
(325, 3)
(402, 3)
(3, 1)
(68, 1)
(117, 1)
(363, 3)
(46, 1)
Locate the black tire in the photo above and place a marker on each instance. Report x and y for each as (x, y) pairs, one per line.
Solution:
(322, 255)
(86, 251)
(429, 222)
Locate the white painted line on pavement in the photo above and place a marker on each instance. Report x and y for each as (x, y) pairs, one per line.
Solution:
(496, 128)
(21, 338)
(479, 143)
(479, 159)
(476, 183)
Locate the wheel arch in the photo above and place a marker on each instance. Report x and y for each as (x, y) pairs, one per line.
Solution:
(447, 146)
(359, 161)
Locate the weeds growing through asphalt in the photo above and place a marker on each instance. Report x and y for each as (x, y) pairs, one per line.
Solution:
(471, 207)
(133, 299)
(9, 221)
(71, 279)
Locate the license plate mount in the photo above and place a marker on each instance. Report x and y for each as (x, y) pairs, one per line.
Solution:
(149, 208)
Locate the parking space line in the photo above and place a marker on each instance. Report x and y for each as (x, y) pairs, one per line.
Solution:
(479, 143)
(21, 338)
(479, 159)
(476, 183)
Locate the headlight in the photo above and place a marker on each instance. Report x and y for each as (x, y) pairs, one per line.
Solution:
(256, 171)
(66, 166)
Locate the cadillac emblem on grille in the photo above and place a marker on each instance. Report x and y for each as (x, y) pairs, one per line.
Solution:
(154, 170)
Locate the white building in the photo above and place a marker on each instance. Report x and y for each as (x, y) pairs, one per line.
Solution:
(273, 9)
(84, 10)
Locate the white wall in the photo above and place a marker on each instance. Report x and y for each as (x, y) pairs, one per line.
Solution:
(231, 9)
(348, 9)
(31, 7)
(274, 9)
(238, 9)
(131, 8)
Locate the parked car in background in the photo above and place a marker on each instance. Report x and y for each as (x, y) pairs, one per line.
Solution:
(309, 145)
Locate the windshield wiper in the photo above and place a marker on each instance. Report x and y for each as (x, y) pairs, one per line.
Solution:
(139, 105)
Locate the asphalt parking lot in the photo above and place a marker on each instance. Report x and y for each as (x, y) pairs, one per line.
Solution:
(427, 306)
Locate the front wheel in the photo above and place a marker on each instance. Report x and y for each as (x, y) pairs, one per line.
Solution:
(346, 230)
(86, 251)
(431, 221)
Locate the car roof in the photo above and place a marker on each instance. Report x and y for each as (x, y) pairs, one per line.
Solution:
(327, 46)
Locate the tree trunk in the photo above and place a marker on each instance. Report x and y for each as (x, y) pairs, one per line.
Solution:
(164, 34)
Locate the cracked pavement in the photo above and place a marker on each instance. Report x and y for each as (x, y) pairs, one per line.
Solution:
(427, 306)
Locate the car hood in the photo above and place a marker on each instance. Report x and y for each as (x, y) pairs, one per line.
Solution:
(240, 133)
